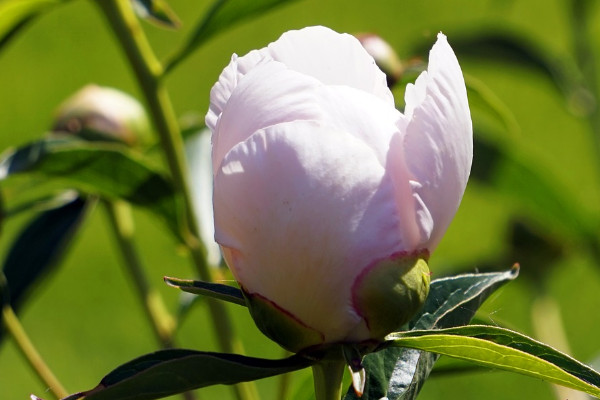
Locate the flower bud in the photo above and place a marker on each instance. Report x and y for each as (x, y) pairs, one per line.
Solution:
(390, 292)
(328, 200)
(103, 114)
(384, 55)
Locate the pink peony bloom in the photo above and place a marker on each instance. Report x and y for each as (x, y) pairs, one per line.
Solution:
(327, 199)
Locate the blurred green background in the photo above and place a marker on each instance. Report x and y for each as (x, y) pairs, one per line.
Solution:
(85, 319)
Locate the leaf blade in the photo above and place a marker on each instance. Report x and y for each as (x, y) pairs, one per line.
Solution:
(222, 14)
(502, 348)
(214, 290)
(157, 12)
(169, 372)
(16, 14)
(110, 171)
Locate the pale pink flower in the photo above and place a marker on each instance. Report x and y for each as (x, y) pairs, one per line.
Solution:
(318, 179)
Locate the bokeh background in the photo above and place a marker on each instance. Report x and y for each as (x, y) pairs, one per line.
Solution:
(528, 106)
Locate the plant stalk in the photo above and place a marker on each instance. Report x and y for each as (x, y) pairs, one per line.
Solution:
(162, 322)
(149, 73)
(121, 221)
(327, 376)
(28, 350)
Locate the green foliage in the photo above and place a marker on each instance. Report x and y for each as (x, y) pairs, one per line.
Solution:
(158, 12)
(521, 182)
(16, 14)
(511, 47)
(39, 248)
(399, 373)
(222, 15)
(214, 290)
(506, 63)
(109, 171)
(169, 372)
(501, 348)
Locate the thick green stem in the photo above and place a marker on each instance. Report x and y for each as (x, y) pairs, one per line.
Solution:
(119, 215)
(328, 376)
(26, 347)
(149, 72)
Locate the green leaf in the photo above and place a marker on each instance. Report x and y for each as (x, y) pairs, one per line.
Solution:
(50, 234)
(501, 348)
(169, 372)
(110, 171)
(157, 12)
(399, 373)
(214, 290)
(16, 14)
(4, 296)
(222, 15)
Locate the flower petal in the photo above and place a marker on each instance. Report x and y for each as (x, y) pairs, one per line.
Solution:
(301, 208)
(341, 61)
(272, 94)
(332, 58)
(439, 141)
(228, 80)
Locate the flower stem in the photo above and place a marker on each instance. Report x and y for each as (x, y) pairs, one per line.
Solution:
(28, 350)
(119, 215)
(149, 73)
(327, 376)
(162, 322)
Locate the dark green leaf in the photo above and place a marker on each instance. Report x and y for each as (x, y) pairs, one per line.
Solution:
(501, 348)
(400, 373)
(50, 234)
(158, 12)
(16, 14)
(110, 171)
(4, 296)
(169, 372)
(214, 290)
(222, 15)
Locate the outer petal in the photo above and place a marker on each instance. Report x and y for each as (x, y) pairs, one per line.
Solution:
(438, 142)
(272, 94)
(296, 218)
(332, 58)
(228, 80)
(268, 95)
(319, 52)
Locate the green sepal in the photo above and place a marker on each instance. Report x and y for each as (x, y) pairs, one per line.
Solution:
(391, 292)
(281, 326)
(214, 290)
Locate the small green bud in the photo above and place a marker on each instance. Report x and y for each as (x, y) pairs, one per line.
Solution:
(103, 114)
(281, 326)
(388, 294)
